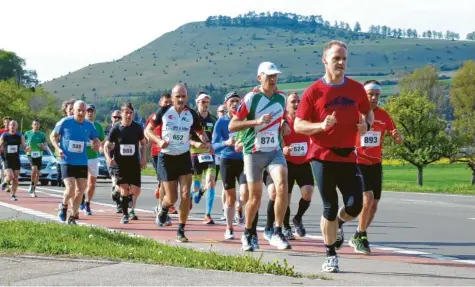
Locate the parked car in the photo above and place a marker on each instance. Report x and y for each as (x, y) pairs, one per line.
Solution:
(103, 170)
(48, 172)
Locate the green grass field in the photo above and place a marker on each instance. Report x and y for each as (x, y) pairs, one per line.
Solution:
(444, 178)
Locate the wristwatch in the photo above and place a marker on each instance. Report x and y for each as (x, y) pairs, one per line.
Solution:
(368, 126)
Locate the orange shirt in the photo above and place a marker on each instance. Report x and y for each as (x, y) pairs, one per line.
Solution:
(369, 148)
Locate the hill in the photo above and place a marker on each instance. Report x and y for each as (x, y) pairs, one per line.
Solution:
(228, 56)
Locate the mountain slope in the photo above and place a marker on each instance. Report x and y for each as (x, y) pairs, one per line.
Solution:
(224, 56)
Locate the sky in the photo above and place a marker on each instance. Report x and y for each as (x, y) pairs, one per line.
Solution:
(60, 36)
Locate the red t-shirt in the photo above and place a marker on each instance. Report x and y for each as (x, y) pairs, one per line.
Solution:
(155, 149)
(299, 145)
(3, 131)
(347, 100)
(369, 148)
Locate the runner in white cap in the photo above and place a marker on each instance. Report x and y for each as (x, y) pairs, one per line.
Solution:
(260, 116)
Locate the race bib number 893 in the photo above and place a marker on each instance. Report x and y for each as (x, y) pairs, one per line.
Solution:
(371, 139)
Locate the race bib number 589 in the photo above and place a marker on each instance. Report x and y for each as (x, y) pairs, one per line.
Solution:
(76, 146)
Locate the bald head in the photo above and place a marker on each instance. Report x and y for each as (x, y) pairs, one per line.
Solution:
(79, 111)
(13, 126)
(179, 97)
(179, 89)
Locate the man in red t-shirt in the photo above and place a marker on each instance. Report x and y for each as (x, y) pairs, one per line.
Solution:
(6, 122)
(165, 100)
(369, 149)
(299, 170)
(332, 111)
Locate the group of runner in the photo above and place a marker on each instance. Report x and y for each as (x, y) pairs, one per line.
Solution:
(330, 137)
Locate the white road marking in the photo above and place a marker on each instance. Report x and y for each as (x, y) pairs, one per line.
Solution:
(316, 237)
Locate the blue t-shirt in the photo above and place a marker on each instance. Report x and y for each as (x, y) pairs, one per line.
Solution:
(74, 139)
(220, 135)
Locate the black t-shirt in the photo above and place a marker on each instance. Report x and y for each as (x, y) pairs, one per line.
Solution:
(126, 140)
(11, 145)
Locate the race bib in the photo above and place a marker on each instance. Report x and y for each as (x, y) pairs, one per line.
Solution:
(35, 154)
(371, 139)
(266, 139)
(76, 146)
(127, 149)
(205, 157)
(178, 138)
(298, 149)
(12, 149)
(217, 160)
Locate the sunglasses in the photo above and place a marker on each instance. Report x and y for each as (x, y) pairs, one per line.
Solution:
(222, 111)
(117, 118)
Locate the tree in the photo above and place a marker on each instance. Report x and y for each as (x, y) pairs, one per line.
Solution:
(357, 27)
(462, 98)
(471, 36)
(147, 109)
(13, 67)
(426, 81)
(425, 140)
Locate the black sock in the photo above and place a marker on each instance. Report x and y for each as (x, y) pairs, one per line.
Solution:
(278, 230)
(270, 215)
(83, 198)
(247, 232)
(32, 183)
(330, 250)
(340, 223)
(254, 224)
(287, 218)
(303, 206)
(362, 233)
(181, 227)
(125, 205)
(357, 234)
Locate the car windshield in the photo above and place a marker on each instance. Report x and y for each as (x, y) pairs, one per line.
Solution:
(46, 152)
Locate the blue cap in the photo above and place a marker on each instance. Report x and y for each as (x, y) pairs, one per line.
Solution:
(90, 107)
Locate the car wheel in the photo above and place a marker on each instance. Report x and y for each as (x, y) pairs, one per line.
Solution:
(44, 182)
(54, 183)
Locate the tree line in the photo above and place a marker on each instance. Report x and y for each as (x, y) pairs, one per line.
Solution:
(295, 21)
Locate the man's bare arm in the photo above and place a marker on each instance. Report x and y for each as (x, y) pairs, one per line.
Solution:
(54, 138)
(237, 124)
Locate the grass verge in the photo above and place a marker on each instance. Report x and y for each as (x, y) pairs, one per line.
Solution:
(149, 171)
(81, 241)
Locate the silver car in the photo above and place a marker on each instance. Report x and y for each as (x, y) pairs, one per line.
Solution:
(48, 172)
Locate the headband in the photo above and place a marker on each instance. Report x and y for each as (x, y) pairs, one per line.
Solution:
(372, 86)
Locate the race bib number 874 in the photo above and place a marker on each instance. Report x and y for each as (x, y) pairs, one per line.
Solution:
(266, 139)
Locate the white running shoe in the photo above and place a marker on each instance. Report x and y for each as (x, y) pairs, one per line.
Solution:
(331, 264)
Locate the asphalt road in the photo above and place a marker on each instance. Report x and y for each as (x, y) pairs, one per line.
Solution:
(431, 223)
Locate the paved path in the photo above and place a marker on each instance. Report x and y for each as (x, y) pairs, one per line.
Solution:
(420, 239)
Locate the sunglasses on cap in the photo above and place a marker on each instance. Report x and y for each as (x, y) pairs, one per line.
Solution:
(117, 118)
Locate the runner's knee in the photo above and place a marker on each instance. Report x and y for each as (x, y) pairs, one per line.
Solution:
(354, 206)
(330, 210)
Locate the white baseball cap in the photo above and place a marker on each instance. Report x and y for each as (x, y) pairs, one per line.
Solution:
(201, 97)
(268, 68)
